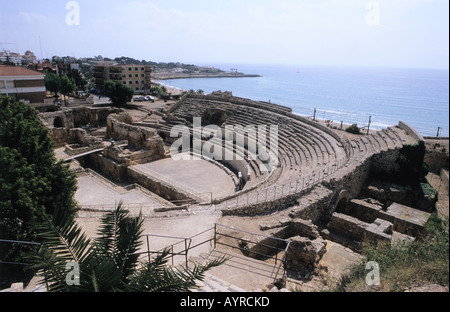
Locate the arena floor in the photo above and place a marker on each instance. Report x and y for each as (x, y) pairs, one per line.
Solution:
(195, 176)
(94, 192)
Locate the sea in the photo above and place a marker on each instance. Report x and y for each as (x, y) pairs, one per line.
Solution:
(352, 95)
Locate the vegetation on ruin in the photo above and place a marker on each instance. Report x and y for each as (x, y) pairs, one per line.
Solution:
(412, 167)
(32, 183)
(353, 129)
(404, 265)
(110, 262)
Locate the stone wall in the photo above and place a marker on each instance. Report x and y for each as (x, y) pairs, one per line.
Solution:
(348, 226)
(156, 186)
(262, 207)
(404, 219)
(107, 166)
(60, 122)
(437, 160)
(314, 205)
(148, 139)
(385, 163)
(359, 231)
(411, 131)
(444, 178)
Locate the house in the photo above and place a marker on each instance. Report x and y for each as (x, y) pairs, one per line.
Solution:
(22, 83)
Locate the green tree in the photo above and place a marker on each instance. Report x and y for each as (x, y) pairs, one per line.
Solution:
(118, 93)
(67, 86)
(32, 182)
(53, 83)
(78, 79)
(108, 263)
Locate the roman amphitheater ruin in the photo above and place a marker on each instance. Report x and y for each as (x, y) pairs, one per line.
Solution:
(284, 218)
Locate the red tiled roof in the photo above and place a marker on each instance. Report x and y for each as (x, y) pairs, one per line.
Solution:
(6, 70)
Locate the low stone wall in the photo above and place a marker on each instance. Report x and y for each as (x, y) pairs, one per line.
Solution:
(348, 226)
(263, 207)
(405, 220)
(367, 212)
(436, 160)
(160, 188)
(360, 231)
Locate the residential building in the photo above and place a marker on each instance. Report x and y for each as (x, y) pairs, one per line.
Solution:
(18, 59)
(29, 57)
(22, 83)
(13, 57)
(63, 69)
(137, 77)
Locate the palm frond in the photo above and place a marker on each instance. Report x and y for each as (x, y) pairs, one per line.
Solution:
(62, 242)
(110, 263)
(63, 236)
(50, 268)
(119, 238)
(168, 279)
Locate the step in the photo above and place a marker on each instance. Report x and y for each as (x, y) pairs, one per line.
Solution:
(243, 272)
(212, 283)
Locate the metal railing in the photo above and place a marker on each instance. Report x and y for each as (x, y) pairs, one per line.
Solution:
(184, 245)
(189, 244)
(281, 247)
(8, 241)
(277, 248)
(290, 187)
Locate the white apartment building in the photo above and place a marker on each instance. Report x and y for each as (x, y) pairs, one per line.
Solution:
(22, 84)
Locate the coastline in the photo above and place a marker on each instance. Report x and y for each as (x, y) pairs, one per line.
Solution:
(170, 89)
(170, 76)
(304, 100)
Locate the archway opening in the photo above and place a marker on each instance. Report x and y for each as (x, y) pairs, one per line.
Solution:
(58, 122)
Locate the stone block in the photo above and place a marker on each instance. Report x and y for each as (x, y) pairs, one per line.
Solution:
(379, 230)
(348, 226)
(305, 254)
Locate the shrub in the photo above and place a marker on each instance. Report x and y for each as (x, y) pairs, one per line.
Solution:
(353, 129)
(423, 261)
(428, 190)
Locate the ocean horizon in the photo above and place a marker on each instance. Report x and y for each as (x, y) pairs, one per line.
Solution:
(418, 97)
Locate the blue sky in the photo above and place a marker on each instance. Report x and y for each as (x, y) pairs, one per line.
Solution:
(409, 33)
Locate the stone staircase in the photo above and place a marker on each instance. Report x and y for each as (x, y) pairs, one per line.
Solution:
(238, 274)
(214, 284)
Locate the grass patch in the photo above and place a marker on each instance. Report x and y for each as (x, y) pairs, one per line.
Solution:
(423, 261)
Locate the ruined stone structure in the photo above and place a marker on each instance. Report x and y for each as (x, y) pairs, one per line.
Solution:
(312, 190)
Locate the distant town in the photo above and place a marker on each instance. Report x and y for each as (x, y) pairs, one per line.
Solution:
(23, 76)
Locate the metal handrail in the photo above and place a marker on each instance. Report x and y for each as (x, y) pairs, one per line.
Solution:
(17, 242)
(285, 250)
